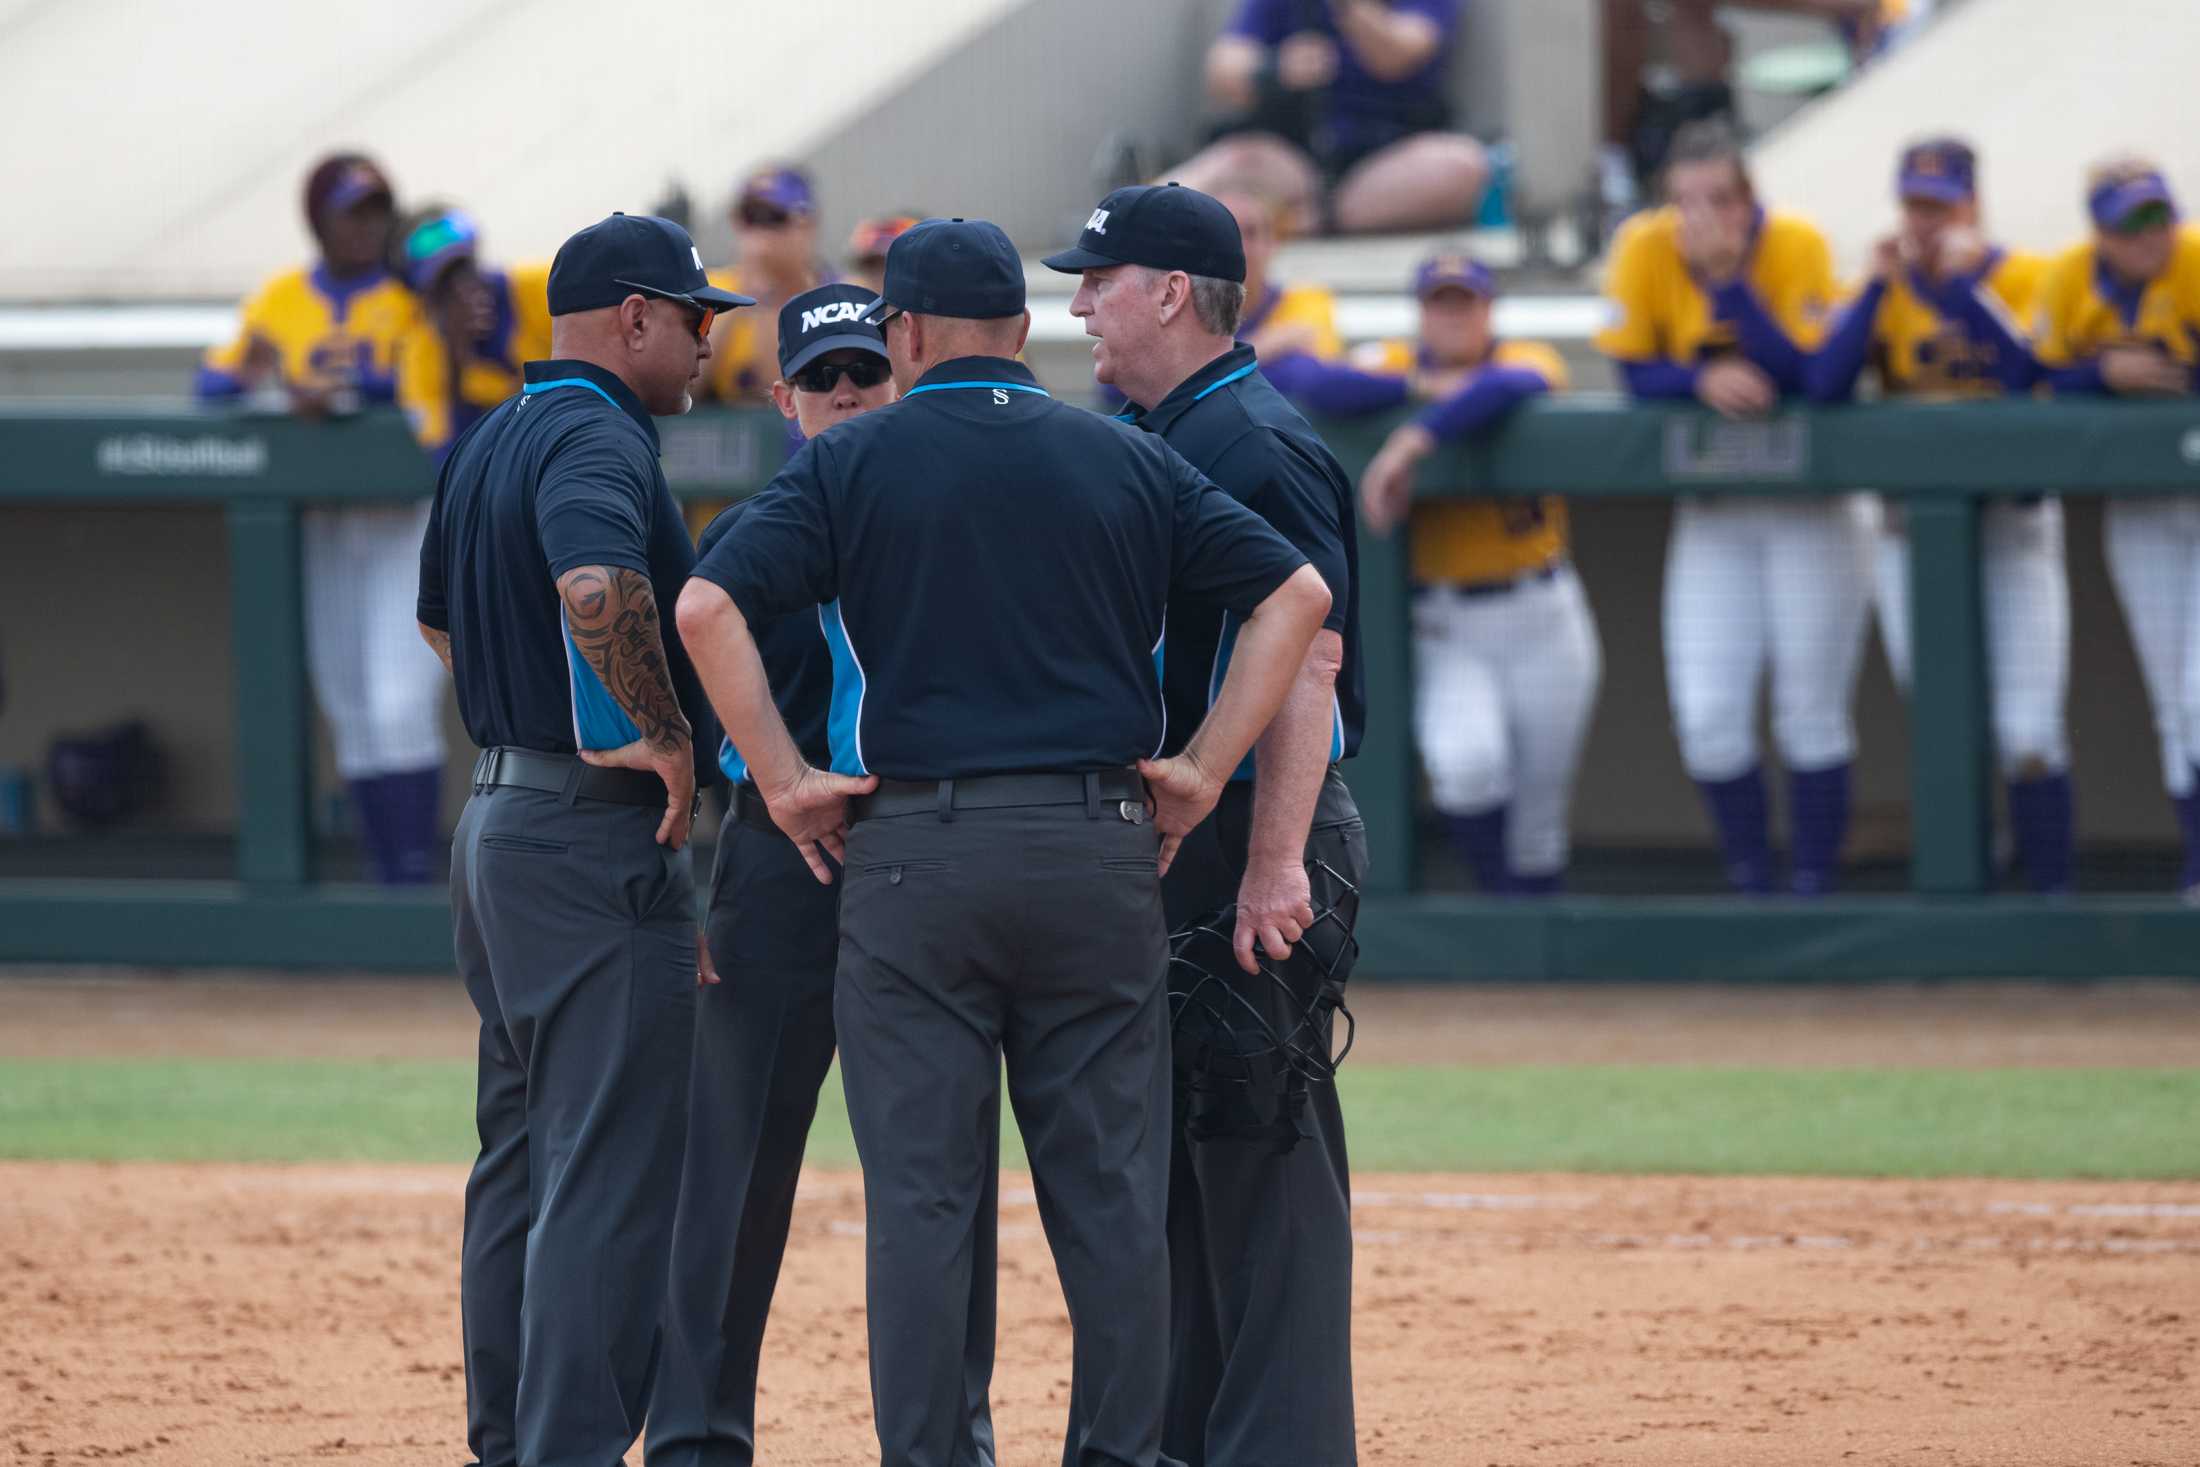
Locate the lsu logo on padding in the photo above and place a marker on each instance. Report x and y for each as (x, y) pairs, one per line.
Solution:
(1098, 223)
(829, 313)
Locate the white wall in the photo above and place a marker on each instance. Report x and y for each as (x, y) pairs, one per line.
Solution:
(2041, 87)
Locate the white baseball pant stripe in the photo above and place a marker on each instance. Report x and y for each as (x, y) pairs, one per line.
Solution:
(378, 685)
(1757, 582)
(1504, 685)
(2025, 588)
(2153, 545)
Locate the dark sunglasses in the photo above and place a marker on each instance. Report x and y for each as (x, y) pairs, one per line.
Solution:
(699, 315)
(864, 372)
(2147, 216)
(762, 216)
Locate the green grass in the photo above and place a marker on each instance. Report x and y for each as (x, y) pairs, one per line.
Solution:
(2122, 1123)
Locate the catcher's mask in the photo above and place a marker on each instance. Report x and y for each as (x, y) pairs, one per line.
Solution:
(1249, 1047)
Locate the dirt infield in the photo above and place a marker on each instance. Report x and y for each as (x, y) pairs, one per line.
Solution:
(232, 1315)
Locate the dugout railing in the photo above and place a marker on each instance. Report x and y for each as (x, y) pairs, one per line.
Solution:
(1940, 459)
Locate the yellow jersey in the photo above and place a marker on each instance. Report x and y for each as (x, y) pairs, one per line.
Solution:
(439, 412)
(744, 360)
(1922, 353)
(1481, 541)
(1311, 306)
(2082, 312)
(1659, 312)
(326, 334)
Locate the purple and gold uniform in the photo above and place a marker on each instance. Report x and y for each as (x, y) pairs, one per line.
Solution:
(1751, 584)
(1506, 658)
(2152, 541)
(1956, 338)
(326, 335)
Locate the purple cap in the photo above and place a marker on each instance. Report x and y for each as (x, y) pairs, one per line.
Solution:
(1942, 169)
(1457, 271)
(781, 187)
(2113, 203)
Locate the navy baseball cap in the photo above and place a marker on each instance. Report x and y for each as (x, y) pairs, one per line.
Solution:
(1163, 227)
(616, 257)
(2112, 203)
(829, 318)
(951, 267)
(1941, 168)
(1452, 270)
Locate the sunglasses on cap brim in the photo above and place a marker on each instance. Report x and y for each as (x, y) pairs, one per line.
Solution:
(2152, 215)
(703, 315)
(864, 372)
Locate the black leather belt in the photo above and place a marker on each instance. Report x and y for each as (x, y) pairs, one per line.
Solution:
(566, 776)
(749, 807)
(1118, 794)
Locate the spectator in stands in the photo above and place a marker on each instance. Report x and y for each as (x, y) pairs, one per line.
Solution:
(775, 258)
(1336, 109)
(1505, 654)
(1715, 300)
(1659, 79)
(327, 337)
(480, 325)
(2120, 314)
(869, 242)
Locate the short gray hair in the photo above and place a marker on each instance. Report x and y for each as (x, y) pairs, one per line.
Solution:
(1218, 303)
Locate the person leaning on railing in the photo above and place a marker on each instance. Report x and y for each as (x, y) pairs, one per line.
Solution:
(1718, 301)
(2120, 314)
(326, 336)
(479, 325)
(1505, 652)
(1941, 317)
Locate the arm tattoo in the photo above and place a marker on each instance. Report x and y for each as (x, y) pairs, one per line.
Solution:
(612, 615)
(439, 642)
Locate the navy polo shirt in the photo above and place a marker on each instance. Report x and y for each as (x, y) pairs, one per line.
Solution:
(563, 475)
(994, 570)
(1240, 432)
(797, 663)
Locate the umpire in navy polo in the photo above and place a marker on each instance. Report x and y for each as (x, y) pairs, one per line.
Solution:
(1260, 1226)
(552, 545)
(993, 570)
(764, 1016)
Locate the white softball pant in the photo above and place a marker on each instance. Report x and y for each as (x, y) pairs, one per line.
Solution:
(379, 686)
(1755, 581)
(2025, 587)
(1504, 684)
(2153, 545)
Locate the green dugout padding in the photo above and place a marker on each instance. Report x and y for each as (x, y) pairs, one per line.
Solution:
(1940, 458)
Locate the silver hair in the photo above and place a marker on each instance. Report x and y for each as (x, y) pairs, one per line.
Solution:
(1218, 303)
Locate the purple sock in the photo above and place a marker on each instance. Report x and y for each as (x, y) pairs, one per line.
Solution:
(1818, 806)
(1481, 840)
(369, 809)
(2188, 824)
(1738, 811)
(1549, 884)
(413, 801)
(2040, 820)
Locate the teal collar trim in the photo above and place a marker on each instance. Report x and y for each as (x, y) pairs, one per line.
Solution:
(534, 387)
(1003, 386)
